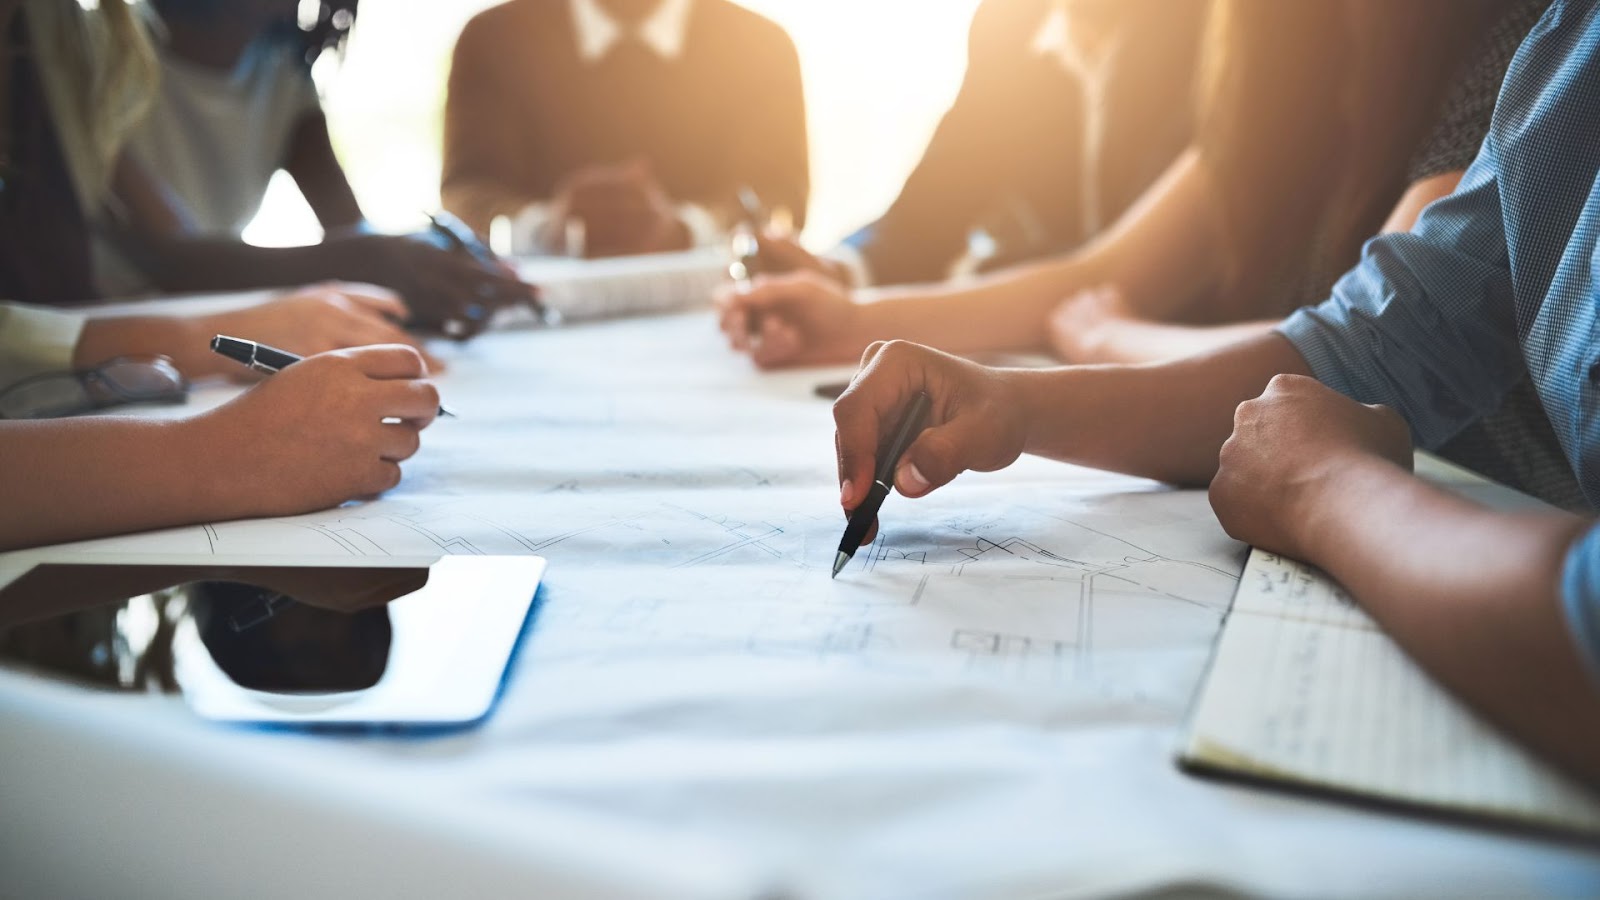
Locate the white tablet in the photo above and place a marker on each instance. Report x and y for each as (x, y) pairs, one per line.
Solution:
(417, 645)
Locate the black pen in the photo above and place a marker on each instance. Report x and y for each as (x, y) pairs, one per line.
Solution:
(266, 359)
(460, 238)
(911, 425)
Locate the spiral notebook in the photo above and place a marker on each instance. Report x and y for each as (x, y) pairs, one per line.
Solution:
(1305, 691)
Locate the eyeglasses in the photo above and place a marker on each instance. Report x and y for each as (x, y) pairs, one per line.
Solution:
(126, 379)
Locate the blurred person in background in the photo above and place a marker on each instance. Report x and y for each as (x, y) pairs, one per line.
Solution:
(235, 105)
(1309, 116)
(73, 80)
(612, 127)
(1291, 171)
(1069, 110)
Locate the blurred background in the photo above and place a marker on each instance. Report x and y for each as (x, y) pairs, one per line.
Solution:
(878, 75)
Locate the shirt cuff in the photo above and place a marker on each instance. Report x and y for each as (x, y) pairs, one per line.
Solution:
(1310, 333)
(1580, 598)
(854, 262)
(34, 340)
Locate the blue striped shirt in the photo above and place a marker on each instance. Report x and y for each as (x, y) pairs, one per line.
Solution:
(1439, 323)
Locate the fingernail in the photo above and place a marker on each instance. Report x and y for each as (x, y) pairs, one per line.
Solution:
(846, 491)
(910, 480)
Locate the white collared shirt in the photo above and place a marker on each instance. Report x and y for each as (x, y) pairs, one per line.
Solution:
(663, 31)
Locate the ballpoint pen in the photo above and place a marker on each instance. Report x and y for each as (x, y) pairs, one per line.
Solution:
(861, 519)
(267, 359)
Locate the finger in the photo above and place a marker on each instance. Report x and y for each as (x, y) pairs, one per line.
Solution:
(869, 354)
(376, 300)
(858, 428)
(398, 442)
(779, 344)
(384, 333)
(939, 454)
(414, 402)
(382, 475)
(389, 361)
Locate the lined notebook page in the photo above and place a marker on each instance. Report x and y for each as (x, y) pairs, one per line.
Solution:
(1305, 688)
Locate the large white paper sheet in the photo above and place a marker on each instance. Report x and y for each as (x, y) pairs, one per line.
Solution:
(984, 704)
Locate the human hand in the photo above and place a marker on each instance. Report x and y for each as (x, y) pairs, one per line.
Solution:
(780, 253)
(977, 420)
(312, 320)
(447, 291)
(623, 209)
(799, 318)
(1077, 325)
(314, 435)
(1288, 448)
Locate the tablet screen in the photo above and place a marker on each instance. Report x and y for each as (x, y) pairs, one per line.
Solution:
(424, 644)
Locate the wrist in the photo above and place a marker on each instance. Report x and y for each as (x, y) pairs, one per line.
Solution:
(190, 343)
(1333, 493)
(210, 481)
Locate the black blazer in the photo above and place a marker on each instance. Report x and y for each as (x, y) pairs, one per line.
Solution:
(1008, 157)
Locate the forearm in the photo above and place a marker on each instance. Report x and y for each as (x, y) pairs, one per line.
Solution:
(184, 264)
(185, 340)
(1133, 341)
(71, 479)
(1473, 595)
(1161, 254)
(1004, 311)
(1165, 421)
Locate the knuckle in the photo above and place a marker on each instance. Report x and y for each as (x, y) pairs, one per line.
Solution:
(430, 393)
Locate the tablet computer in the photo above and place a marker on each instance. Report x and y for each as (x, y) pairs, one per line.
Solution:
(410, 644)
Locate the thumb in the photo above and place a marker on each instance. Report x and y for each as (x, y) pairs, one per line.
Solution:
(939, 454)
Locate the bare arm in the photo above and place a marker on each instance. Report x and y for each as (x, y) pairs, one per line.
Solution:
(1163, 250)
(1101, 326)
(67, 479)
(1160, 421)
(1472, 594)
(315, 168)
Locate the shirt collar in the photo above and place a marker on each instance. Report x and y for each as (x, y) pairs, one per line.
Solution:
(663, 31)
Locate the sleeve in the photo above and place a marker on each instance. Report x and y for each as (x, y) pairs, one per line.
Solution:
(770, 150)
(34, 340)
(925, 230)
(1425, 323)
(1580, 597)
(479, 143)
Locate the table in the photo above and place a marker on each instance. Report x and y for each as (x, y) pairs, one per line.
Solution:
(985, 705)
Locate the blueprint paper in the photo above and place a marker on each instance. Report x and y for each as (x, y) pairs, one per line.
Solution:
(984, 704)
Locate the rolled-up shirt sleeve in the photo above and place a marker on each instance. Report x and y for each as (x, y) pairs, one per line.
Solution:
(34, 340)
(1425, 323)
(1580, 597)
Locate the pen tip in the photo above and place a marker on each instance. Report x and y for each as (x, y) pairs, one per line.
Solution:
(839, 562)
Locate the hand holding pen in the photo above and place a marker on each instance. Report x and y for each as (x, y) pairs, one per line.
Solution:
(268, 360)
(460, 239)
(913, 419)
